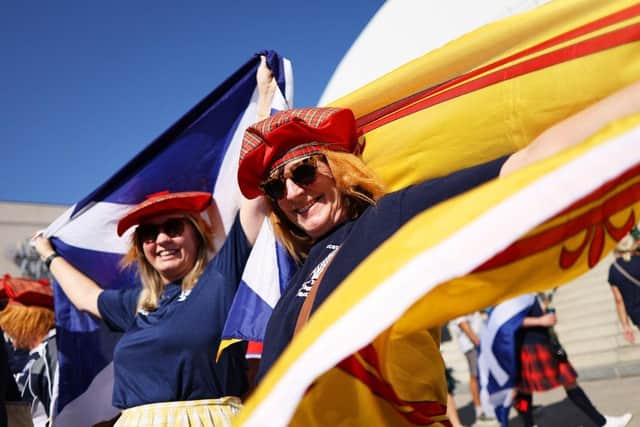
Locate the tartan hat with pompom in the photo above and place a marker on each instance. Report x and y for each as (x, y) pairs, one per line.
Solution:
(291, 134)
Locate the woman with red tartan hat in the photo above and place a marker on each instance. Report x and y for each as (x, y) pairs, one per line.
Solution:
(330, 212)
(165, 370)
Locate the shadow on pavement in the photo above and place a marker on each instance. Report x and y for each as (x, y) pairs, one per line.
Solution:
(560, 414)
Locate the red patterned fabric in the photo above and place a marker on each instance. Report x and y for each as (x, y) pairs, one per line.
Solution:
(288, 135)
(540, 371)
(28, 292)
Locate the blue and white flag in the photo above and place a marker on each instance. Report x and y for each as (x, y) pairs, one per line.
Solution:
(198, 153)
(497, 357)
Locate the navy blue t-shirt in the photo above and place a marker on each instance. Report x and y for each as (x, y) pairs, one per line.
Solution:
(358, 239)
(169, 354)
(629, 290)
(533, 334)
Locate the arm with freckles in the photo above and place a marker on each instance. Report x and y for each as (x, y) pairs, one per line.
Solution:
(80, 289)
(576, 128)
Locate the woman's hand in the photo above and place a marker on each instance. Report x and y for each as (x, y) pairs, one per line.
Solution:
(266, 88)
(628, 334)
(42, 245)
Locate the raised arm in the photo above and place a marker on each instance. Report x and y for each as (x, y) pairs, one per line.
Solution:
(266, 89)
(253, 212)
(80, 289)
(576, 128)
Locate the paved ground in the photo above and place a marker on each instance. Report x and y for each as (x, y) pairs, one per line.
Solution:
(553, 409)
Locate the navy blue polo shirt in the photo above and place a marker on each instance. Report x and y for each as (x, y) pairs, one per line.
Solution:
(169, 354)
(630, 291)
(533, 334)
(359, 238)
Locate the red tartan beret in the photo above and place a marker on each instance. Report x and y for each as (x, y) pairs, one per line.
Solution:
(28, 292)
(164, 202)
(290, 134)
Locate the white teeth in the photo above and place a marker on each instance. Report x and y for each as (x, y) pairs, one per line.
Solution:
(304, 209)
(165, 253)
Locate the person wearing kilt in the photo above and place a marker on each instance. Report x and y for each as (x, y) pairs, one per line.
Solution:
(544, 365)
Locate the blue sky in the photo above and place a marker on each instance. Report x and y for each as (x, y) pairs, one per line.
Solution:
(84, 86)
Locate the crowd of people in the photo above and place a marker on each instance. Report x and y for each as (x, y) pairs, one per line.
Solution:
(303, 169)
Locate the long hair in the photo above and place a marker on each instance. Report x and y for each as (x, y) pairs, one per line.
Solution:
(359, 187)
(152, 285)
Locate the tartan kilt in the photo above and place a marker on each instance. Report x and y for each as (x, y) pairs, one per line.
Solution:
(541, 371)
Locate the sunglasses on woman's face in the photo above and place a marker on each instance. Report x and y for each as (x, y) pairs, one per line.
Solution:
(302, 174)
(173, 227)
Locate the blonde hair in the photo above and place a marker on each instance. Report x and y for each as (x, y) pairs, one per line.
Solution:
(26, 325)
(356, 182)
(626, 247)
(152, 284)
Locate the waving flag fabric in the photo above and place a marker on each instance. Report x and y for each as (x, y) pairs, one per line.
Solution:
(365, 354)
(497, 360)
(199, 152)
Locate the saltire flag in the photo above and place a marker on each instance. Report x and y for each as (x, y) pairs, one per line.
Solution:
(263, 281)
(366, 354)
(198, 153)
(497, 359)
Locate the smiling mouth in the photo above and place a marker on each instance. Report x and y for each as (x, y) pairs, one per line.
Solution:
(167, 253)
(303, 210)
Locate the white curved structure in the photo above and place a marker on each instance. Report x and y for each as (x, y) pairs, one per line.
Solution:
(403, 30)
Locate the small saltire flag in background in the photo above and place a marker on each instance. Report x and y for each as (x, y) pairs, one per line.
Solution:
(497, 360)
(198, 153)
(484, 95)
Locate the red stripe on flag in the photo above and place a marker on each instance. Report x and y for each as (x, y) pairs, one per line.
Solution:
(419, 413)
(595, 222)
(596, 44)
(604, 22)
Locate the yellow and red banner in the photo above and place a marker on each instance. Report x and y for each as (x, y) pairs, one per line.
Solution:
(369, 355)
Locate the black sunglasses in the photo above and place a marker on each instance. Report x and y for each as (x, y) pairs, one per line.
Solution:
(302, 174)
(173, 227)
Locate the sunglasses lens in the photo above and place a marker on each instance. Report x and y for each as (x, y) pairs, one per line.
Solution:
(148, 232)
(173, 227)
(274, 188)
(304, 174)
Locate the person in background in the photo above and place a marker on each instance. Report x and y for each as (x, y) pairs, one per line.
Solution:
(28, 321)
(624, 281)
(543, 365)
(467, 332)
(7, 383)
(452, 409)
